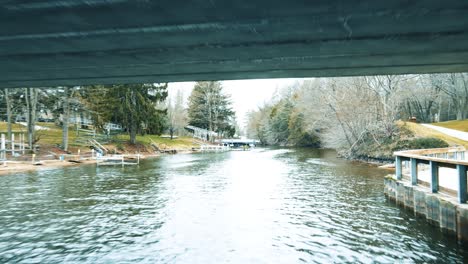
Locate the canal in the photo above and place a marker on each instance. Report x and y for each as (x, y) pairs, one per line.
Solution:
(259, 206)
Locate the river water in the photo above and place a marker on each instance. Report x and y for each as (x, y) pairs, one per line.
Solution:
(259, 206)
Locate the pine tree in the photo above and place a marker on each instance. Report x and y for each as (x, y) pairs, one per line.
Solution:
(210, 109)
(136, 108)
(133, 106)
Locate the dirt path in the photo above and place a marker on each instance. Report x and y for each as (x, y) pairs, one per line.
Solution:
(450, 132)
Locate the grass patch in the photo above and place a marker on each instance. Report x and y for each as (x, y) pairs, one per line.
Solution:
(177, 143)
(461, 125)
(14, 127)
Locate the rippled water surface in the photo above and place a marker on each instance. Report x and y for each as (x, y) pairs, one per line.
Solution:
(260, 206)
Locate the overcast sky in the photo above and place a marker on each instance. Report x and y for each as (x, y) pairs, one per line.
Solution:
(245, 94)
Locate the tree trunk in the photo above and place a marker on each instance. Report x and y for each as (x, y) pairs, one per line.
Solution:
(133, 132)
(31, 104)
(65, 119)
(9, 112)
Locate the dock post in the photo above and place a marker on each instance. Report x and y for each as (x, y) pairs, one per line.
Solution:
(398, 172)
(434, 176)
(461, 172)
(414, 171)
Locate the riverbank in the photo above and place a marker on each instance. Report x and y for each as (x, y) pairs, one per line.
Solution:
(11, 167)
(409, 136)
(18, 166)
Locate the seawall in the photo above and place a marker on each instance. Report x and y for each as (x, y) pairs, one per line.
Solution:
(438, 209)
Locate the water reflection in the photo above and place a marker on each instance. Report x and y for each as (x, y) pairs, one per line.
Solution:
(260, 206)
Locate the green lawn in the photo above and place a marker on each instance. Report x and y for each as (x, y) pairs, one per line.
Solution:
(53, 136)
(461, 125)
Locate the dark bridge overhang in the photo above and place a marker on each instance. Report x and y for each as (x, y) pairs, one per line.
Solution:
(71, 42)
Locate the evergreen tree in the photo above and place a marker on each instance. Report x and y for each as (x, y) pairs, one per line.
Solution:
(133, 106)
(99, 103)
(136, 108)
(210, 109)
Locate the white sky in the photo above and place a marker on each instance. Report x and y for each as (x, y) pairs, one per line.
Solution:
(246, 95)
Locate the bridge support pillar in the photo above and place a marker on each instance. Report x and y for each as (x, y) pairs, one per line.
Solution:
(461, 173)
(399, 174)
(414, 171)
(434, 176)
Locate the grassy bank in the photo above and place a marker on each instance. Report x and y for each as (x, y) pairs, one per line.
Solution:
(422, 131)
(461, 125)
(409, 136)
(50, 138)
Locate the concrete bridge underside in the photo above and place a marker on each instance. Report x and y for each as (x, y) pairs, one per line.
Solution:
(71, 42)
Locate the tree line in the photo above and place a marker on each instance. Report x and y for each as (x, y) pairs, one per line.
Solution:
(358, 115)
(137, 108)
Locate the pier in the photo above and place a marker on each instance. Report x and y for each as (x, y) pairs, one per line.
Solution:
(214, 148)
(122, 160)
(433, 184)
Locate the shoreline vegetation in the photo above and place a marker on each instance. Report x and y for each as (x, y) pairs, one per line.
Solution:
(364, 118)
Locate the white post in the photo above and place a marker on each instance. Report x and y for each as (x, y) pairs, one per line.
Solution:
(3, 147)
(92, 153)
(12, 144)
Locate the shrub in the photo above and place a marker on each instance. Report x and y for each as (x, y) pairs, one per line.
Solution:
(308, 140)
(420, 143)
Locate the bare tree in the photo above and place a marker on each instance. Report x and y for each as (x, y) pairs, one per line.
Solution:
(455, 86)
(9, 110)
(66, 117)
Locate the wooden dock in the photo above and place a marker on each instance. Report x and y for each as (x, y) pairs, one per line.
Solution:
(122, 160)
(214, 148)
